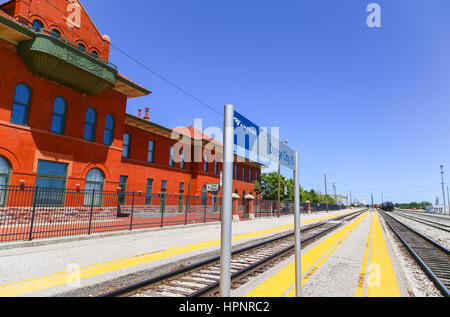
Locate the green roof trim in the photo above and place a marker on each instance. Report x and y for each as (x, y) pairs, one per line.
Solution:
(55, 60)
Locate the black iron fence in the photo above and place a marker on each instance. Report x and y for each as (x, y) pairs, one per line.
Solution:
(28, 213)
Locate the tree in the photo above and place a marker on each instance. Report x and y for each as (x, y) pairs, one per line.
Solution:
(268, 187)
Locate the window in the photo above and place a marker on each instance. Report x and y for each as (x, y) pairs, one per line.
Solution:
(235, 172)
(171, 162)
(250, 175)
(94, 54)
(123, 189)
(94, 182)
(21, 105)
(90, 125)
(5, 170)
(149, 192)
(180, 198)
(51, 179)
(151, 151)
(216, 167)
(182, 159)
(81, 47)
(59, 116)
(204, 199)
(256, 175)
(56, 34)
(126, 145)
(205, 164)
(38, 25)
(243, 173)
(162, 205)
(109, 130)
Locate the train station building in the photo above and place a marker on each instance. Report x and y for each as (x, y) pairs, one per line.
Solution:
(63, 120)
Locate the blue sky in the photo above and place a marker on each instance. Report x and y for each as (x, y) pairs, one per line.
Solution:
(367, 106)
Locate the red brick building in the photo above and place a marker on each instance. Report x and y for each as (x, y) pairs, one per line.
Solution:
(63, 120)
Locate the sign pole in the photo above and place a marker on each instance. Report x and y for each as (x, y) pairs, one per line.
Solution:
(227, 202)
(298, 267)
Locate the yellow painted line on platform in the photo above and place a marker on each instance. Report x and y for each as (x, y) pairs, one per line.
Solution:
(362, 274)
(320, 263)
(279, 283)
(56, 279)
(382, 281)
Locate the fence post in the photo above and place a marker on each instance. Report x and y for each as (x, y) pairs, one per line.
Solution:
(186, 213)
(204, 212)
(132, 212)
(92, 210)
(161, 201)
(33, 212)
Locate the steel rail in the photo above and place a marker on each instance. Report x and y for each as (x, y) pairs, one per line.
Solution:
(422, 262)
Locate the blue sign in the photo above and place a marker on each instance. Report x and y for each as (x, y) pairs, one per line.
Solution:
(245, 133)
(255, 143)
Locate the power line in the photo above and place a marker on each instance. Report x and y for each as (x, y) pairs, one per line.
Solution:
(168, 81)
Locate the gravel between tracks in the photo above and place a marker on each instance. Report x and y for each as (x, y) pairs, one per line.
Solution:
(440, 236)
(419, 284)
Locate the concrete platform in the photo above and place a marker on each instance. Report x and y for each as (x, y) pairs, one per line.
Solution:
(80, 267)
(356, 261)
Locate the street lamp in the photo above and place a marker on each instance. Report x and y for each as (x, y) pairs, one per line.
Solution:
(279, 196)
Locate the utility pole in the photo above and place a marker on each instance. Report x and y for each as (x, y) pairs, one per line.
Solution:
(443, 192)
(326, 194)
(448, 200)
(334, 190)
(382, 198)
(371, 195)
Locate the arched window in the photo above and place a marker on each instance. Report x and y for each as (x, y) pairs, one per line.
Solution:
(109, 130)
(204, 196)
(21, 105)
(94, 54)
(89, 126)
(205, 164)
(59, 115)
(94, 187)
(81, 47)
(5, 170)
(38, 25)
(56, 33)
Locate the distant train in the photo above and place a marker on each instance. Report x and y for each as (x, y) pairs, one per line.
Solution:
(387, 206)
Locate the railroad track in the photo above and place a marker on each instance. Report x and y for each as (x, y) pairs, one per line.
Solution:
(202, 279)
(433, 258)
(430, 223)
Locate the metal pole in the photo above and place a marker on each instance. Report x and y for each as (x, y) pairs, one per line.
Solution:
(279, 199)
(227, 202)
(448, 200)
(298, 267)
(326, 194)
(443, 191)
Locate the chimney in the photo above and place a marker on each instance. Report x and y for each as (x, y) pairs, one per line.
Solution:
(147, 118)
(139, 112)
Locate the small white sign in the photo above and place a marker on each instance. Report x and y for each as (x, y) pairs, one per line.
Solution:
(212, 187)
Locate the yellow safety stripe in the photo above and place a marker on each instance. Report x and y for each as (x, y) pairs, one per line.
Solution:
(56, 279)
(282, 281)
(381, 281)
